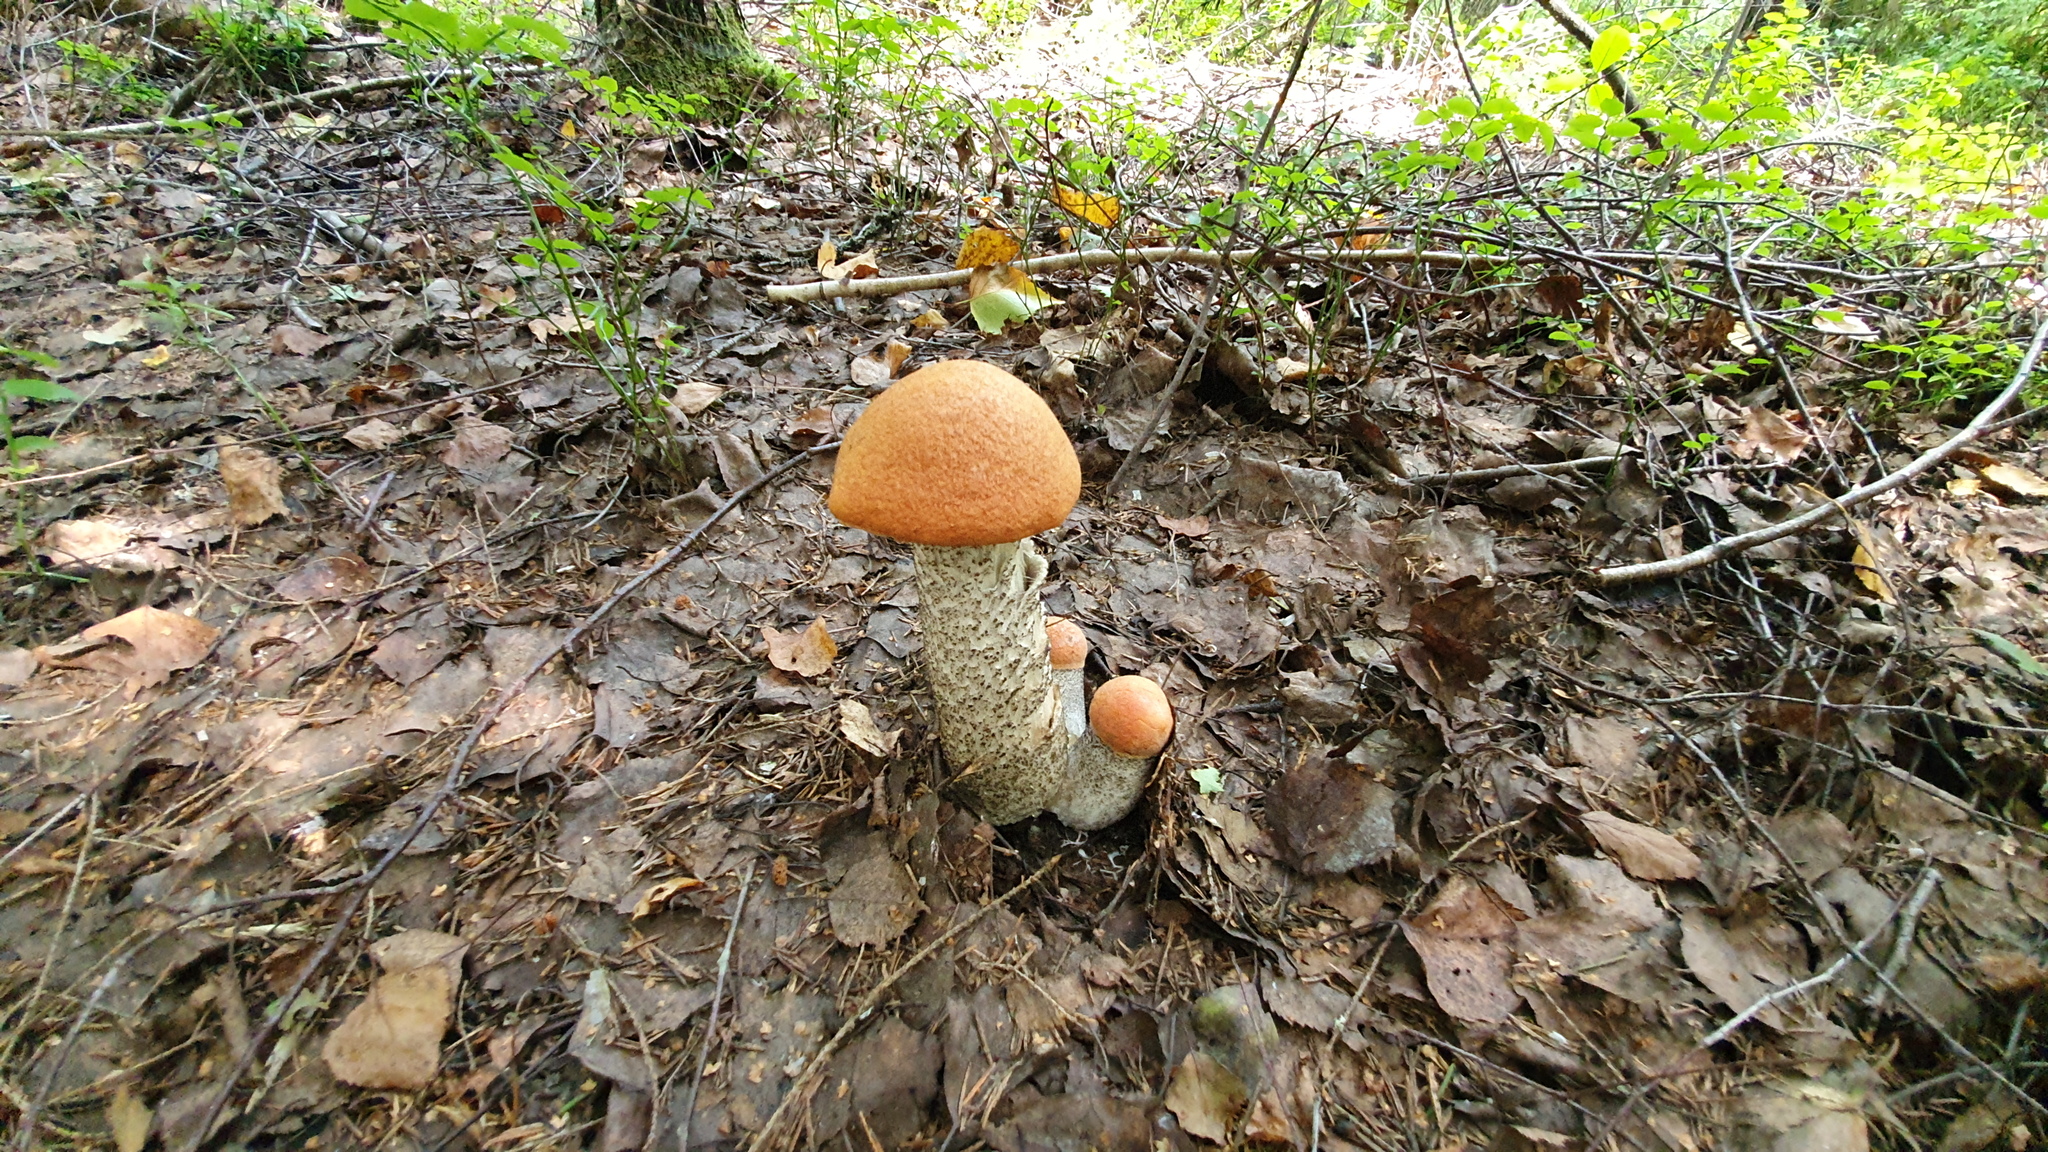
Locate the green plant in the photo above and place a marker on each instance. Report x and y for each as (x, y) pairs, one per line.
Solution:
(259, 44)
(1946, 362)
(27, 388)
(177, 312)
(422, 30)
(120, 78)
(604, 275)
(861, 52)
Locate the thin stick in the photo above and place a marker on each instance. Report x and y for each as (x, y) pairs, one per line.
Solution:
(1909, 921)
(451, 781)
(805, 1079)
(732, 933)
(1475, 475)
(1112, 257)
(1926, 462)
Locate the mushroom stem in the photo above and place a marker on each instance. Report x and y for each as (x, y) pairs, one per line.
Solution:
(1001, 717)
(1101, 786)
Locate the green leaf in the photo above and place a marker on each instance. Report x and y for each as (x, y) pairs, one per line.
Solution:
(32, 444)
(994, 309)
(37, 390)
(1610, 46)
(1209, 780)
(2015, 655)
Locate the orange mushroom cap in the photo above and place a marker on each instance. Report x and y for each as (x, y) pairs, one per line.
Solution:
(1069, 645)
(1131, 717)
(956, 454)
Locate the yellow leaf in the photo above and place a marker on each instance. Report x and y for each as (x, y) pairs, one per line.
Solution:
(828, 255)
(157, 357)
(568, 129)
(1868, 575)
(1096, 208)
(129, 1118)
(2013, 480)
(930, 318)
(986, 246)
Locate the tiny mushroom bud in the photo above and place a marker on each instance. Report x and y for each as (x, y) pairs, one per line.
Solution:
(1131, 717)
(1130, 721)
(1068, 646)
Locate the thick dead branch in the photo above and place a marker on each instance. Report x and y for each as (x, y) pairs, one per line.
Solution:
(1926, 462)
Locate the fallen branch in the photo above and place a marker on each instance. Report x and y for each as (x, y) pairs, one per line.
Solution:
(331, 92)
(807, 1079)
(1111, 257)
(1506, 470)
(1926, 462)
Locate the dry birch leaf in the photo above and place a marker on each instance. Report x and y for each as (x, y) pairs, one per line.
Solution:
(1642, 851)
(252, 482)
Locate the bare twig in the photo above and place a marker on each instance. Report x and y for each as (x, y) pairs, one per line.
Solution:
(1924, 463)
(801, 1086)
(1583, 33)
(1909, 921)
(732, 934)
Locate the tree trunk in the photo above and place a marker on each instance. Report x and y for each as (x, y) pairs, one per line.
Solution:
(685, 46)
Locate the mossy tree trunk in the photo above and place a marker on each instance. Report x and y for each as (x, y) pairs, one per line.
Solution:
(685, 46)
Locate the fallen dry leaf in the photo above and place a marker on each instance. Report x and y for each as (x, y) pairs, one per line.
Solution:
(657, 897)
(1770, 436)
(861, 267)
(327, 578)
(252, 482)
(868, 371)
(146, 643)
(806, 653)
(102, 544)
(477, 442)
(875, 902)
(297, 340)
(1464, 940)
(694, 396)
(1205, 1097)
(858, 725)
(374, 435)
(1642, 851)
(2013, 480)
(1193, 527)
(393, 1038)
(130, 1119)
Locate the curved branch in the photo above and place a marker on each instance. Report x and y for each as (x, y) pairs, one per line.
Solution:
(1926, 462)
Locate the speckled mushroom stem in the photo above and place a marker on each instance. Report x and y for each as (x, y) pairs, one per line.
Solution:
(1001, 718)
(1101, 786)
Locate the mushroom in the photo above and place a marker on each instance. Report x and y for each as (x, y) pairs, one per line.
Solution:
(1067, 645)
(1130, 721)
(964, 462)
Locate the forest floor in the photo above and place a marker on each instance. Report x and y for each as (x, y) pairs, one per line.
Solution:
(343, 807)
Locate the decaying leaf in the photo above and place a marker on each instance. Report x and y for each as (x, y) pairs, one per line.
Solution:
(393, 1038)
(2013, 480)
(1769, 437)
(1097, 208)
(860, 267)
(326, 579)
(658, 895)
(986, 246)
(251, 478)
(1464, 940)
(1642, 851)
(1329, 817)
(477, 443)
(875, 902)
(1205, 1097)
(808, 652)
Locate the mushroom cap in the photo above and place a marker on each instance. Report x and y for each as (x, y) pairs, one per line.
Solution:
(1068, 644)
(1131, 717)
(956, 454)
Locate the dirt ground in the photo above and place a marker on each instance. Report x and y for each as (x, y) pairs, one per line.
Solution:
(344, 806)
